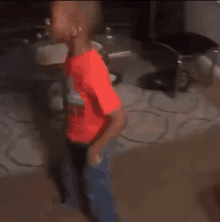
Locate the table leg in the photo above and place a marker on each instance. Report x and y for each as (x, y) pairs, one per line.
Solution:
(41, 98)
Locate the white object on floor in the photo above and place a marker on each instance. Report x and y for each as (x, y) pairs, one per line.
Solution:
(182, 103)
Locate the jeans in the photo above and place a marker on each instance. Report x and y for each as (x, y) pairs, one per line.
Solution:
(96, 182)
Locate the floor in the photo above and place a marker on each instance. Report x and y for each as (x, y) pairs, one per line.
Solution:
(177, 180)
(165, 168)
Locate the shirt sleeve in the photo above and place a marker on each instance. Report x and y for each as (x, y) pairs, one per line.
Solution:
(100, 86)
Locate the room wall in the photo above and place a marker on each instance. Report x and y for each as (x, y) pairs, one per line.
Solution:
(26, 12)
(169, 17)
(203, 17)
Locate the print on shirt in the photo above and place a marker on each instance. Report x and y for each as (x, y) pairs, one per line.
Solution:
(73, 96)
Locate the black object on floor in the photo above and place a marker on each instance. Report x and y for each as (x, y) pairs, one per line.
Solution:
(160, 81)
(175, 55)
(192, 51)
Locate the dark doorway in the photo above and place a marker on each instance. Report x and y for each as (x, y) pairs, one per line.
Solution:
(169, 17)
(142, 21)
(164, 17)
(20, 13)
(134, 15)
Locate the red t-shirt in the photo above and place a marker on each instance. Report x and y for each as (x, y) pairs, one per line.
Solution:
(92, 81)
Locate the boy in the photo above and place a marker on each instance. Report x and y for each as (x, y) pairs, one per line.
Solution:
(90, 130)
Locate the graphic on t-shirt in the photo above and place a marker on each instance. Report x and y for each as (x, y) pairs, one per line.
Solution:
(73, 96)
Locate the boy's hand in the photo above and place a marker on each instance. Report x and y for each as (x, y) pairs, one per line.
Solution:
(93, 156)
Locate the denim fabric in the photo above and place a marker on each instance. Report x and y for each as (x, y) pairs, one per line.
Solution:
(70, 182)
(98, 187)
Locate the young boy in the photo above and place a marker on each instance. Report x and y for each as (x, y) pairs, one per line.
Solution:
(90, 130)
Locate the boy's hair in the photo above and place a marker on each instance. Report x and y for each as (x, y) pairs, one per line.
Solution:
(92, 13)
(91, 9)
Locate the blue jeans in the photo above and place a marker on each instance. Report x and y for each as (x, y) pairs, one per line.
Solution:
(98, 187)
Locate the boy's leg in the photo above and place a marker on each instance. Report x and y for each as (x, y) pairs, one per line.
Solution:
(79, 157)
(56, 173)
(99, 188)
(71, 179)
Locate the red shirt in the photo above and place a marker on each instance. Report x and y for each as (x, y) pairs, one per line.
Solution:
(92, 81)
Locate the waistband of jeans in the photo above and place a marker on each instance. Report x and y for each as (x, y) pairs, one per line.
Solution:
(77, 143)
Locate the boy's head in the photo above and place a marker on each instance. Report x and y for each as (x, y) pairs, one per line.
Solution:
(72, 19)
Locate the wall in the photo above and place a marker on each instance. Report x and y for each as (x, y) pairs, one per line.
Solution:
(203, 17)
(30, 12)
(169, 17)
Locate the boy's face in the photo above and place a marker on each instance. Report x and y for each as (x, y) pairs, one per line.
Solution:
(68, 17)
(61, 25)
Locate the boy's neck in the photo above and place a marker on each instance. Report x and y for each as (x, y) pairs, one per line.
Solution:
(79, 47)
(82, 49)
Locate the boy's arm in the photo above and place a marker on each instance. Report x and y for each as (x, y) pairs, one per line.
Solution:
(115, 123)
(103, 94)
(113, 126)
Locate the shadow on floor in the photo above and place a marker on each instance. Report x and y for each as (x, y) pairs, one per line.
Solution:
(210, 201)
